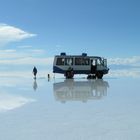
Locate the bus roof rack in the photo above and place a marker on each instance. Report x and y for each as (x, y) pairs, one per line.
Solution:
(63, 53)
(84, 54)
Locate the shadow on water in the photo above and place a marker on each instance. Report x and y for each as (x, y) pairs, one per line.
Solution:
(71, 90)
(35, 85)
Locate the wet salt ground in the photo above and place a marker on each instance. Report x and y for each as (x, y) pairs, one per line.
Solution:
(69, 109)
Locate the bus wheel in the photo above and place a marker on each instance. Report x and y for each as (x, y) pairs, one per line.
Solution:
(91, 76)
(99, 75)
(69, 74)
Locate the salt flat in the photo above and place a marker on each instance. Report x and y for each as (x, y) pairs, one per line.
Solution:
(77, 109)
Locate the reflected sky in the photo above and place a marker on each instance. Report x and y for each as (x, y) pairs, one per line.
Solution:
(10, 102)
(61, 109)
(72, 90)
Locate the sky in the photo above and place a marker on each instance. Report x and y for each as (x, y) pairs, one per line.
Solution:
(33, 31)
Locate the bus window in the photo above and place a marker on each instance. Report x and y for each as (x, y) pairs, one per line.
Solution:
(85, 61)
(98, 61)
(60, 61)
(93, 62)
(105, 62)
(69, 61)
(78, 61)
(81, 61)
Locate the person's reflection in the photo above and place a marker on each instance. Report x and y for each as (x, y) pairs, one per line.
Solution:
(35, 85)
(71, 90)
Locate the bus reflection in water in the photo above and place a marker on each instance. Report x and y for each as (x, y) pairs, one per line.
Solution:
(71, 90)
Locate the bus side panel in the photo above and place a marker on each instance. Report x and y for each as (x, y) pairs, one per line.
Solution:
(57, 70)
(81, 69)
(76, 69)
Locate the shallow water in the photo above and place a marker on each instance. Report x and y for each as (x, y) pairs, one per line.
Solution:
(78, 109)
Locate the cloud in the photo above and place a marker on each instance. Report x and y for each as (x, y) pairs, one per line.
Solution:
(10, 102)
(24, 58)
(12, 34)
(130, 61)
(25, 47)
(12, 54)
(7, 54)
(9, 50)
(37, 51)
(28, 61)
(134, 73)
(25, 74)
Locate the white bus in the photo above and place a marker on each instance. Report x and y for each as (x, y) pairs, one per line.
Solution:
(69, 65)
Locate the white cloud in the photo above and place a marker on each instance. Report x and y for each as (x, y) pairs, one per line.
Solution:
(28, 61)
(12, 54)
(9, 50)
(25, 74)
(134, 73)
(10, 102)
(12, 34)
(58, 46)
(131, 61)
(25, 47)
(17, 54)
(25, 57)
(37, 51)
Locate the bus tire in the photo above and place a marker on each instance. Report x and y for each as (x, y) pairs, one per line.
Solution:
(99, 75)
(69, 74)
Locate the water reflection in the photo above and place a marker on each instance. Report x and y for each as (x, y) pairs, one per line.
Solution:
(71, 90)
(35, 85)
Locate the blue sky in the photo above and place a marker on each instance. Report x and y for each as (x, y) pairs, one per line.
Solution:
(39, 29)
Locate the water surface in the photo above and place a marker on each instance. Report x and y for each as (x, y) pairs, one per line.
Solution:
(77, 109)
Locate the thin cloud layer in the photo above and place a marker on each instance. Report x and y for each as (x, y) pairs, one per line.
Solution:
(134, 73)
(28, 61)
(12, 34)
(9, 102)
(6, 54)
(130, 61)
(34, 56)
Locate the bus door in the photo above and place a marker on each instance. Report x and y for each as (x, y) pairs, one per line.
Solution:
(93, 66)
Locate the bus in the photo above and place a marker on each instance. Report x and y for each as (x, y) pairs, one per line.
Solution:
(69, 65)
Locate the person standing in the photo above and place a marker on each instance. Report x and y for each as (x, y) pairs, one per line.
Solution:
(34, 72)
